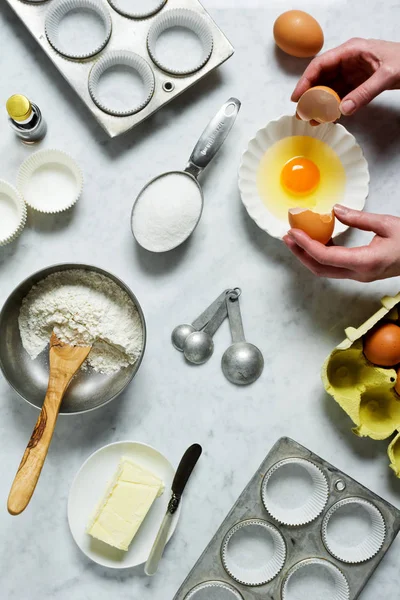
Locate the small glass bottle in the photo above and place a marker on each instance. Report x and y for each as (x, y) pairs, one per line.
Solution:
(26, 119)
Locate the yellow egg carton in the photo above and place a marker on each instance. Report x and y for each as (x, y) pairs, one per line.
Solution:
(364, 391)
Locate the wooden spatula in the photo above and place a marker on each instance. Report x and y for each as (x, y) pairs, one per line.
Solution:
(65, 361)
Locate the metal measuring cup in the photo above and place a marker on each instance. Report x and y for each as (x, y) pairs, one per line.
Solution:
(206, 148)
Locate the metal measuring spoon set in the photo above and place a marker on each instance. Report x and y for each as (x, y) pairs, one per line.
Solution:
(242, 363)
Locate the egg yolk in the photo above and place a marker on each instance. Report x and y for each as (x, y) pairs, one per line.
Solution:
(300, 176)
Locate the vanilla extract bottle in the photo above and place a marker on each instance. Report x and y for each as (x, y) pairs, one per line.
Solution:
(26, 119)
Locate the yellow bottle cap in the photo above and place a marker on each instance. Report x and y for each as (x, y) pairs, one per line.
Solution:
(18, 107)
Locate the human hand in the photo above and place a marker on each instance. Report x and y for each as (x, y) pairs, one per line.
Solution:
(358, 70)
(379, 260)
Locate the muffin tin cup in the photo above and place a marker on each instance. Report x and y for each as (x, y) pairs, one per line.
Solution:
(157, 5)
(128, 59)
(258, 537)
(51, 163)
(214, 590)
(372, 543)
(293, 584)
(188, 19)
(287, 474)
(12, 196)
(59, 9)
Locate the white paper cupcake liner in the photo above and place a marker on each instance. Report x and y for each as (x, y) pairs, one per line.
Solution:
(335, 136)
(129, 59)
(180, 17)
(57, 12)
(139, 11)
(325, 580)
(346, 550)
(10, 199)
(50, 181)
(253, 552)
(214, 590)
(283, 498)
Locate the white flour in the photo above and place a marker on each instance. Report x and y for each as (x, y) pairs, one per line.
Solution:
(83, 308)
(167, 212)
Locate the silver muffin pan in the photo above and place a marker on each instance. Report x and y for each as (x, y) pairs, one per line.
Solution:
(128, 35)
(307, 558)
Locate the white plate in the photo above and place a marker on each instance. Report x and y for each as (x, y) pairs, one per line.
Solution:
(333, 134)
(89, 486)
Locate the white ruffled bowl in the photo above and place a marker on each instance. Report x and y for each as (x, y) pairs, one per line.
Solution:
(335, 135)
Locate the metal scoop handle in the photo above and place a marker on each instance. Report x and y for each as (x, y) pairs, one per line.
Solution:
(216, 321)
(213, 137)
(235, 318)
(205, 316)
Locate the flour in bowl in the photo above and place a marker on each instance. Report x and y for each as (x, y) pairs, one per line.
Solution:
(83, 308)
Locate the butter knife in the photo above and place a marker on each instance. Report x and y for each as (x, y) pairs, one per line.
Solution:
(183, 472)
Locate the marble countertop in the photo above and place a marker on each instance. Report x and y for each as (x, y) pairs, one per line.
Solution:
(293, 317)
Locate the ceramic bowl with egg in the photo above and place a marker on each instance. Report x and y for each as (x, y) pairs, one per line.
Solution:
(291, 165)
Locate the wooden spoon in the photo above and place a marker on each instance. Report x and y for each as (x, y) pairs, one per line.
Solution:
(65, 361)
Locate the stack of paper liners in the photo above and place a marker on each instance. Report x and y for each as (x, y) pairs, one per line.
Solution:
(364, 391)
(126, 503)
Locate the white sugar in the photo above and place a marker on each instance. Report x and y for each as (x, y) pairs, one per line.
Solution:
(167, 212)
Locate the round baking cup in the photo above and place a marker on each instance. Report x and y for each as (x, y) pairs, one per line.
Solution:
(115, 59)
(315, 578)
(53, 22)
(12, 213)
(50, 181)
(353, 530)
(214, 590)
(253, 552)
(136, 9)
(295, 491)
(187, 19)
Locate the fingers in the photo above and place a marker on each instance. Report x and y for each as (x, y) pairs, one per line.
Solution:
(313, 72)
(312, 122)
(364, 93)
(313, 266)
(331, 256)
(379, 224)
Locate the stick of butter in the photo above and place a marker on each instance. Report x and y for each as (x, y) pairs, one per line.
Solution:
(125, 505)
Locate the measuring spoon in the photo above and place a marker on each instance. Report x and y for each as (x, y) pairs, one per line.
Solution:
(242, 362)
(181, 332)
(158, 235)
(199, 346)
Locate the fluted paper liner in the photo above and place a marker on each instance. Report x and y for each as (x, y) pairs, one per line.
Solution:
(341, 591)
(261, 575)
(57, 12)
(214, 590)
(366, 549)
(143, 13)
(52, 199)
(180, 17)
(15, 197)
(129, 59)
(314, 505)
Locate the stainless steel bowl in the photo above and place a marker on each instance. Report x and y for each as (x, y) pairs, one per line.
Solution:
(88, 390)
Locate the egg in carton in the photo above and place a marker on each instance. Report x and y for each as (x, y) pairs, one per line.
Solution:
(365, 391)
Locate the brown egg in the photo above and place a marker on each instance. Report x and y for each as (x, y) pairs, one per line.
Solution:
(297, 33)
(382, 345)
(320, 104)
(318, 227)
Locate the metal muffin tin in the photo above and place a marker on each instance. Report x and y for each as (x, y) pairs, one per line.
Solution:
(304, 544)
(128, 34)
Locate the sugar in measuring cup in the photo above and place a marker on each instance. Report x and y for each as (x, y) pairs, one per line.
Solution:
(169, 207)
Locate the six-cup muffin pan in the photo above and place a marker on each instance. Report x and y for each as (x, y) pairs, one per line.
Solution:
(126, 58)
(301, 529)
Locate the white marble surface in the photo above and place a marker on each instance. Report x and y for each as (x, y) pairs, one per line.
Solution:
(295, 319)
